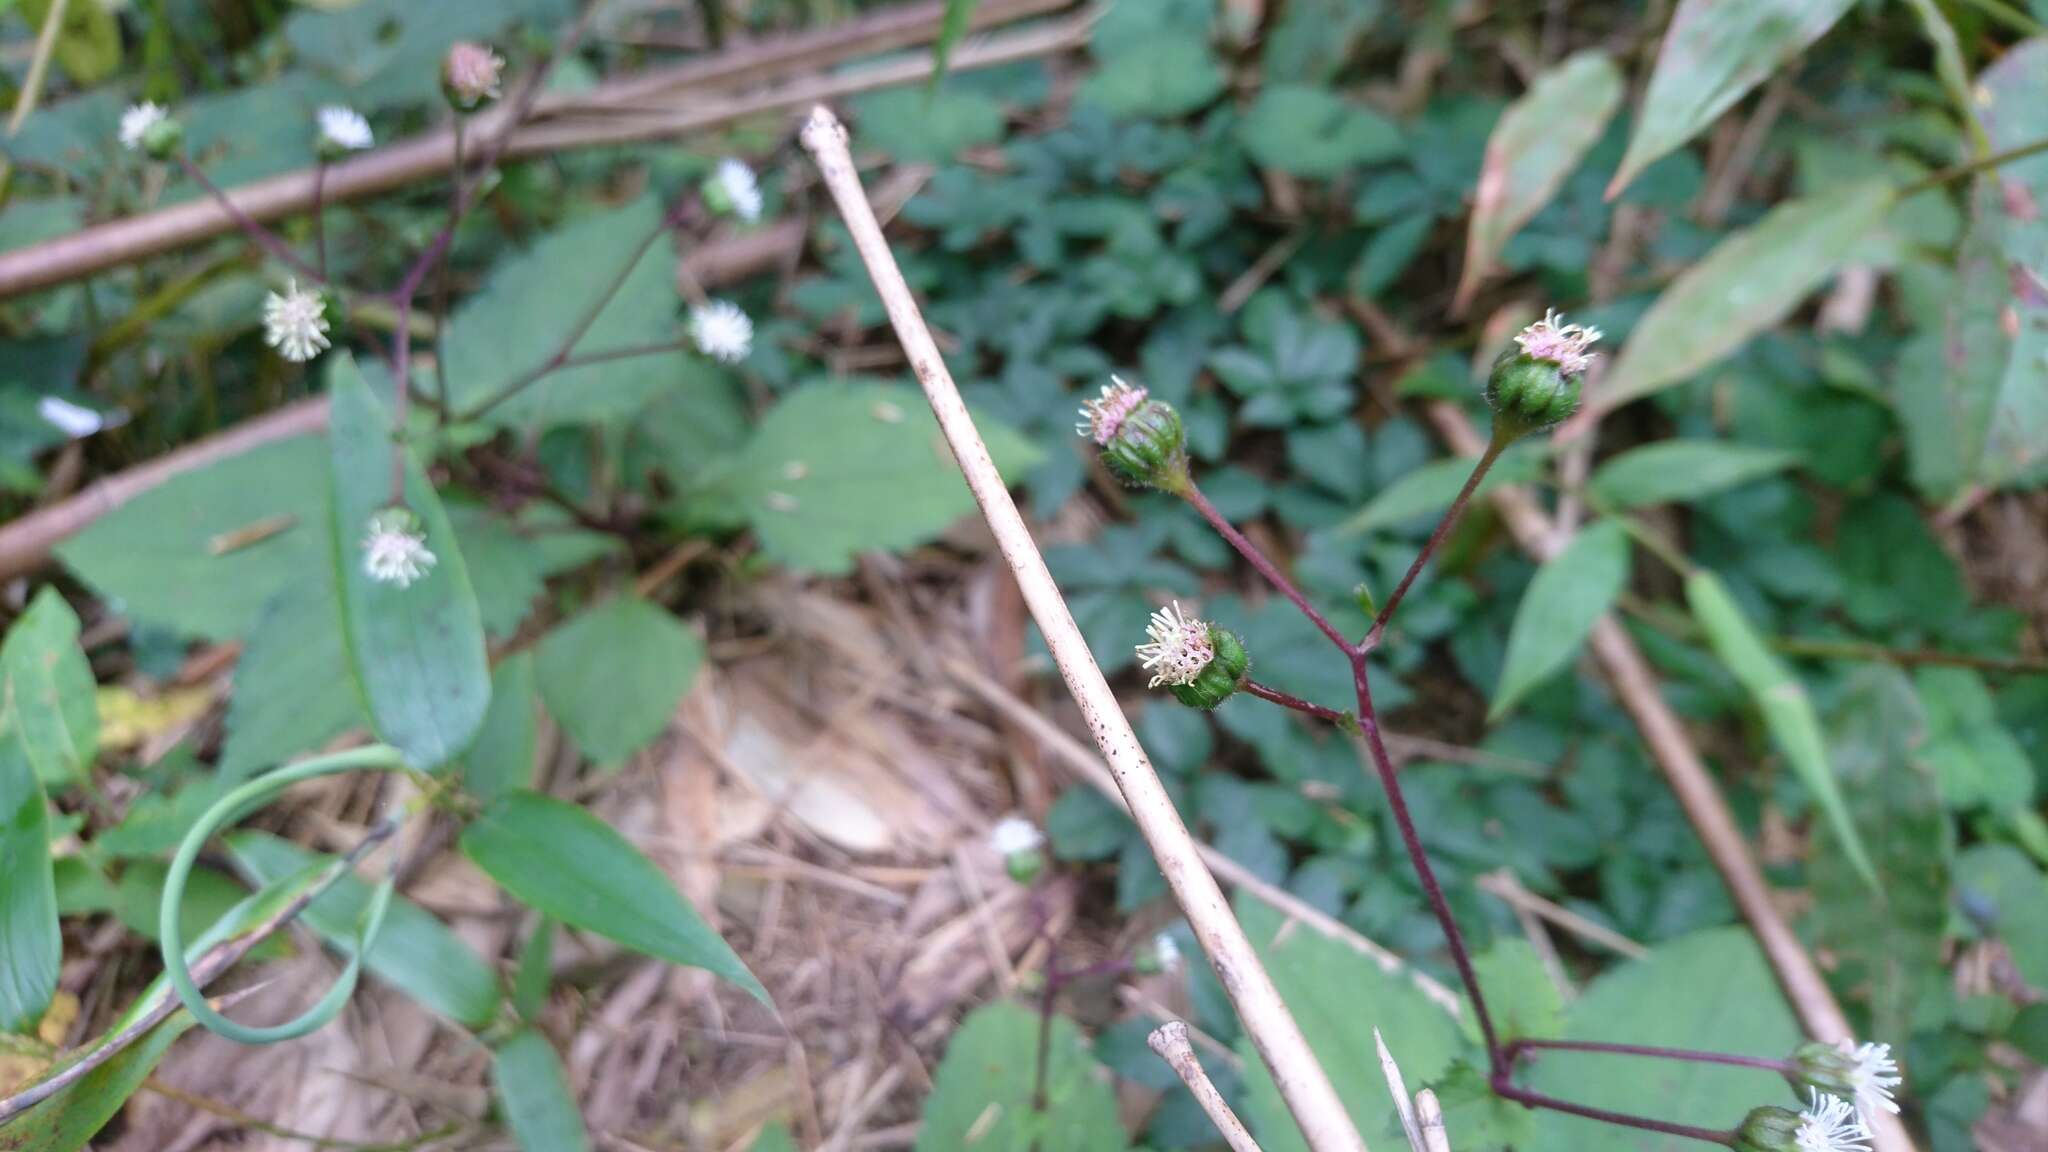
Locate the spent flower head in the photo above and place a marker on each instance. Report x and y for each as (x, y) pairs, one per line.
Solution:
(721, 331)
(1180, 647)
(342, 130)
(733, 188)
(395, 548)
(295, 323)
(1141, 438)
(470, 75)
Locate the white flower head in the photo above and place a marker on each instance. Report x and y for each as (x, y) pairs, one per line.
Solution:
(742, 191)
(1875, 1076)
(721, 331)
(1104, 416)
(1014, 834)
(343, 129)
(1830, 1124)
(395, 548)
(295, 323)
(1180, 647)
(73, 420)
(1166, 951)
(1564, 345)
(138, 120)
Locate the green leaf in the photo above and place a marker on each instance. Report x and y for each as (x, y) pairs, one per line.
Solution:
(89, 43)
(1782, 699)
(418, 650)
(1710, 991)
(536, 972)
(842, 468)
(919, 125)
(1713, 53)
(1309, 131)
(415, 953)
(1885, 950)
(952, 25)
(1673, 471)
(31, 944)
(67, 1121)
(573, 867)
(1519, 993)
(204, 553)
(1432, 487)
(533, 302)
(611, 676)
(294, 689)
(533, 1093)
(1338, 997)
(1750, 281)
(774, 1138)
(1174, 75)
(51, 702)
(1998, 888)
(1567, 597)
(982, 1094)
(503, 756)
(1538, 142)
(388, 52)
(511, 559)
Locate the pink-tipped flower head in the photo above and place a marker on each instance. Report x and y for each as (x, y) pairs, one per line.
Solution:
(1180, 647)
(1564, 345)
(1103, 417)
(470, 75)
(1141, 438)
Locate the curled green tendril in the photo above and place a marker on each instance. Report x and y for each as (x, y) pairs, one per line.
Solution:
(232, 807)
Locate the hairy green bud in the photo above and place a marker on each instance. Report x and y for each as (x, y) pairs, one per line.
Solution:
(1141, 438)
(1536, 385)
(1220, 679)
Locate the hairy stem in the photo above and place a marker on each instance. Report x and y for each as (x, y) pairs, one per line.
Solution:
(1517, 1048)
(1296, 703)
(1494, 448)
(263, 237)
(1257, 559)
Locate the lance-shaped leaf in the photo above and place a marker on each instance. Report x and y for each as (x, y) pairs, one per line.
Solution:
(50, 699)
(1713, 53)
(1568, 596)
(1787, 711)
(418, 650)
(31, 945)
(1669, 471)
(1539, 140)
(1749, 282)
(533, 1093)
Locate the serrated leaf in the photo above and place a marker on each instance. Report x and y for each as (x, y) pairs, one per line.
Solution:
(1710, 991)
(1569, 594)
(31, 943)
(415, 952)
(50, 700)
(1539, 140)
(1749, 282)
(1308, 131)
(1715, 51)
(574, 867)
(202, 554)
(533, 1092)
(611, 676)
(534, 300)
(982, 1094)
(1782, 700)
(842, 468)
(1432, 487)
(294, 688)
(418, 650)
(1674, 471)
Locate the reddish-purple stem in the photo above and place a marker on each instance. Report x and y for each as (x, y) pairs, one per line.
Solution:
(320, 217)
(1494, 448)
(264, 237)
(1283, 699)
(1258, 560)
(1516, 1048)
(1523, 1096)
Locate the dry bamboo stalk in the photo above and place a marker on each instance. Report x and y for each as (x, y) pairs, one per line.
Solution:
(1689, 779)
(1170, 1041)
(1301, 1080)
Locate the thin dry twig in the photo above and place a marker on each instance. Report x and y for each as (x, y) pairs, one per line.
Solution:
(1170, 1041)
(1301, 1080)
(1504, 885)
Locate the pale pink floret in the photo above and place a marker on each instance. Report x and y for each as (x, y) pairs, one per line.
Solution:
(471, 70)
(1564, 345)
(1180, 647)
(1105, 415)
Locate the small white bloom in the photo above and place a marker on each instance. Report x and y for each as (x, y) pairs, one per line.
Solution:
(1829, 1124)
(1874, 1077)
(344, 128)
(1180, 647)
(722, 331)
(1167, 952)
(741, 189)
(295, 323)
(394, 549)
(1014, 834)
(1103, 416)
(1564, 345)
(137, 121)
(71, 419)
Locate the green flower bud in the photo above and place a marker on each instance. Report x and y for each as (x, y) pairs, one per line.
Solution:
(1024, 867)
(1829, 1124)
(1768, 1130)
(1141, 438)
(1863, 1073)
(1536, 386)
(1019, 842)
(1223, 676)
(163, 140)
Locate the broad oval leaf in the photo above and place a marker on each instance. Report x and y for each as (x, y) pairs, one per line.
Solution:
(1713, 53)
(611, 676)
(982, 1095)
(1536, 144)
(1669, 471)
(50, 697)
(574, 867)
(31, 943)
(418, 650)
(1750, 281)
(1568, 596)
(533, 1093)
(415, 953)
(1310, 131)
(1782, 700)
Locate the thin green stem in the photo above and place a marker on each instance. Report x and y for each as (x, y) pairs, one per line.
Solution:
(1972, 167)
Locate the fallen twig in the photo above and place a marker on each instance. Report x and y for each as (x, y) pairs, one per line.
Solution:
(1170, 1041)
